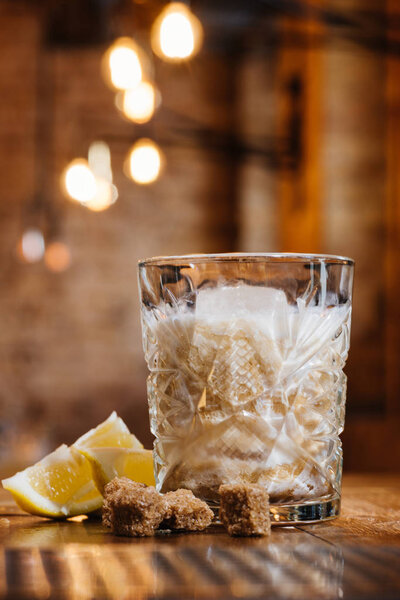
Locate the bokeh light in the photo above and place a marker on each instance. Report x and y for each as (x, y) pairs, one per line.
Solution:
(139, 104)
(106, 195)
(99, 159)
(122, 67)
(57, 257)
(90, 182)
(144, 162)
(177, 33)
(31, 246)
(79, 181)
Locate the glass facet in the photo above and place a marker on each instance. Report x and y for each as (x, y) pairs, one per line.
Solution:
(246, 355)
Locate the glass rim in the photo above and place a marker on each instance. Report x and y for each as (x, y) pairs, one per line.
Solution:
(250, 257)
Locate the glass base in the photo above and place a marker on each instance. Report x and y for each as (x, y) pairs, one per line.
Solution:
(294, 514)
(310, 512)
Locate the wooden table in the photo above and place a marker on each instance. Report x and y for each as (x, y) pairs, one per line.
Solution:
(356, 556)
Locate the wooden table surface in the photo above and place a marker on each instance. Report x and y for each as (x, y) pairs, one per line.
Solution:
(356, 556)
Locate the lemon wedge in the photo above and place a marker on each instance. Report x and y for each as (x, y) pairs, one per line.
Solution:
(60, 485)
(108, 463)
(111, 433)
(66, 482)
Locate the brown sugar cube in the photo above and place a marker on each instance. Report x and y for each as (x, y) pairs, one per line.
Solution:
(244, 509)
(132, 509)
(118, 486)
(185, 511)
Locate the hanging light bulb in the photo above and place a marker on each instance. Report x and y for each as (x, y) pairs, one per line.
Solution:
(79, 181)
(139, 104)
(144, 162)
(99, 159)
(122, 67)
(31, 246)
(177, 33)
(106, 194)
(57, 257)
(90, 182)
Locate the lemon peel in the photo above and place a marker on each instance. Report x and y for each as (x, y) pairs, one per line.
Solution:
(60, 485)
(69, 481)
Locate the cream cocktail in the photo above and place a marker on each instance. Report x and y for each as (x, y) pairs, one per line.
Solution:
(248, 387)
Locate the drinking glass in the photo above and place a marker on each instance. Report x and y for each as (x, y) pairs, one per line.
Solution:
(246, 385)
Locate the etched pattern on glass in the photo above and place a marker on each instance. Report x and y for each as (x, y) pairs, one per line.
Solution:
(246, 387)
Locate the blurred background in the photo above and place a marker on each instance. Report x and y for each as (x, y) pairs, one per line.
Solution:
(134, 128)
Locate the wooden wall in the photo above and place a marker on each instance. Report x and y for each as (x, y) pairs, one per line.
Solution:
(293, 147)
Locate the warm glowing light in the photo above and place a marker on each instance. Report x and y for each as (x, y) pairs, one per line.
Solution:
(79, 181)
(57, 257)
(123, 64)
(176, 36)
(139, 104)
(90, 182)
(31, 247)
(125, 68)
(177, 33)
(144, 162)
(106, 195)
(99, 158)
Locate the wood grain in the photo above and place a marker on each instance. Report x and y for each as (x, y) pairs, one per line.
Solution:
(357, 556)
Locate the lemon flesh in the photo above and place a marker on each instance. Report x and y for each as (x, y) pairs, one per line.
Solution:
(111, 433)
(66, 482)
(108, 463)
(60, 485)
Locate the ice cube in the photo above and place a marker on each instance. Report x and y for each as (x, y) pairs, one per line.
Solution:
(238, 301)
